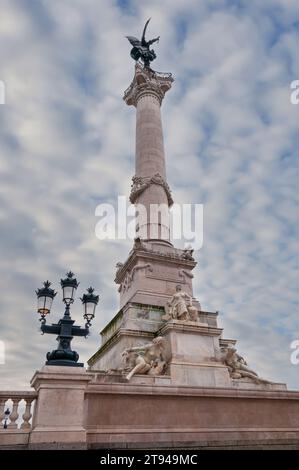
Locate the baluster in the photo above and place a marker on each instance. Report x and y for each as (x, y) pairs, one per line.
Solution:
(14, 414)
(2, 410)
(27, 414)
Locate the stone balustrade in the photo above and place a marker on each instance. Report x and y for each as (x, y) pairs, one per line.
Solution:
(21, 406)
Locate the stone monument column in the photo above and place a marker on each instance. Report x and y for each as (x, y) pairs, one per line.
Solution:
(150, 188)
(154, 267)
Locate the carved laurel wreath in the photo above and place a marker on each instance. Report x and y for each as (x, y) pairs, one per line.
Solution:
(141, 183)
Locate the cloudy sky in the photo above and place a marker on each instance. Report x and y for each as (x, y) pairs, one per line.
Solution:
(231, 138)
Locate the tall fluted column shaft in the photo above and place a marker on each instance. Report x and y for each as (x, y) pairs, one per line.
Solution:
(150, 158)
(150, 192)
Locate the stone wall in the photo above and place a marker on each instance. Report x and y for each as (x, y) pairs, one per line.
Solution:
(80, 410)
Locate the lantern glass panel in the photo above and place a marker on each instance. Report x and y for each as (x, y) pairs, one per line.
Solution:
(89, 308)
(44, 305)
(68, 294)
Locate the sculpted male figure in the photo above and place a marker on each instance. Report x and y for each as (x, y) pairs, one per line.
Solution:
(238, 367)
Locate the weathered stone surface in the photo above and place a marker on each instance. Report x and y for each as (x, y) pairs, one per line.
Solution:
(59, 413)
(151, 415)
(162, 268)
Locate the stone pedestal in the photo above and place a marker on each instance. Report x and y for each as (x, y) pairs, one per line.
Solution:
(151, 273)
(59, 412)
(193, 353)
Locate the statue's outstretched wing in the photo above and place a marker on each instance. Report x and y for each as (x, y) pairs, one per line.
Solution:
(153, 40)
(143, 41)
(134, 41)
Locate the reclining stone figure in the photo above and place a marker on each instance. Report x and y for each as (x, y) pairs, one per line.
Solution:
(238, 367)
(146, 359)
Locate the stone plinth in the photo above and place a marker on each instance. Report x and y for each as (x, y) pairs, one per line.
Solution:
(193, 351)
(16, 438)
(59, 412)
(151, 273)
(247, 384)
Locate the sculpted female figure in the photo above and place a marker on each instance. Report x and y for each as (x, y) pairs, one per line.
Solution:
(147, 359)
(180, 306)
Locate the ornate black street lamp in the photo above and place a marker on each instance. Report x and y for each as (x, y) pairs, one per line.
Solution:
(65, 329)
(6, 416)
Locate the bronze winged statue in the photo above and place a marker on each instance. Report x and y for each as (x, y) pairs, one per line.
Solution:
(141, 49)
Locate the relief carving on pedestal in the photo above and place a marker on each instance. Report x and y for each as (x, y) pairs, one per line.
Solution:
(143, 314)
(180, 307)
(147, 359)
(238, 367)
(183, 273)
(129, 277)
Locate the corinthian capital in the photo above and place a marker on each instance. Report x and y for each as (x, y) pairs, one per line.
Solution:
(147, 82)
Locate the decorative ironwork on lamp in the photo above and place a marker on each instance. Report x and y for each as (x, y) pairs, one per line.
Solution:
(65, 328)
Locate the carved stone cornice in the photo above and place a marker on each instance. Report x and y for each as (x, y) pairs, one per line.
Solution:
(149, 256)
(184, 326)
(147, 82)
(140, 183)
